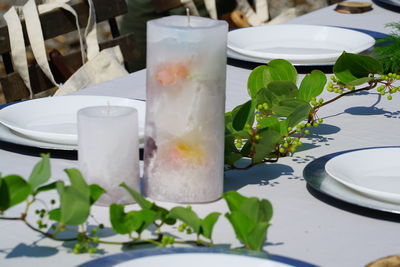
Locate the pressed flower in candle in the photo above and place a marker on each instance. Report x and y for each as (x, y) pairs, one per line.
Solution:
(172, 74)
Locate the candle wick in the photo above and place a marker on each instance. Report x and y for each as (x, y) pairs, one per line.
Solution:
(188, 15)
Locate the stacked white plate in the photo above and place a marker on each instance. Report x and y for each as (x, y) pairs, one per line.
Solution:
(52, 122)
(374, 172)
(299, 44)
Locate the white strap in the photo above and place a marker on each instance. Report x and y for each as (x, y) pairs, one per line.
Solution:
(17, 44)
(50, 5)
(192, 7)
(211, 8)
(92, 42)
(35, 34)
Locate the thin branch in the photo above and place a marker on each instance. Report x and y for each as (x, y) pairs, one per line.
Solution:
(370, 86)
(51, 236)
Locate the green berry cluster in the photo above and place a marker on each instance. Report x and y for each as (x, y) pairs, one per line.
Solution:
(290, 143)
(87, 243)
(335, 86)
(41, 213)
(314, 101)
(167, 240)
(387, 88)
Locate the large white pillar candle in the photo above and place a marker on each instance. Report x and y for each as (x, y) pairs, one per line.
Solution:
(108, 151)
(186, 77)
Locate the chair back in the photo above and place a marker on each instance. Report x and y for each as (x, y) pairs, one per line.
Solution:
(57, 23)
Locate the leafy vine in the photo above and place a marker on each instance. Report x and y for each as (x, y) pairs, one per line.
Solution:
(268, 126)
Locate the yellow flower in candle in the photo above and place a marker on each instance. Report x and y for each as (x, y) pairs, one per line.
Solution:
(183, 153)
(172, 74)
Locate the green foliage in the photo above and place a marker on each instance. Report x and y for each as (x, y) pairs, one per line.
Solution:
(190, 218)
(250, 218)
(161, 213)
(243, 115)
(265, 128)
(271, 124)
(312, 85)
(133, 221)
(277, 70)
(354, 69)
(387, 49)
(266, 144)
(13, 190)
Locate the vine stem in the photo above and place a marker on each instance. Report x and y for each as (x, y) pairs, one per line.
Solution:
(371, 85)
(51, 236)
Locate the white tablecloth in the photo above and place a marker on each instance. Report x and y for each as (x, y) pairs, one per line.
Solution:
(303, 227)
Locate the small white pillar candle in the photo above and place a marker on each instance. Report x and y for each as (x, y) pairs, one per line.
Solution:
(186, 77)
(108, 150)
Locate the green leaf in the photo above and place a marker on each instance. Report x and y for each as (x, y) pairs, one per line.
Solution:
(299, 114)
(287, 107)
(283, 127)
(41, 172)
(257, 80)
(143, 219)
(75, 207)
(126, 223)
(234, 200)
(143, 203)
(360, 81)
(13, 190)
(257, 210)
(241, 224)
(231, 158)
(207, 224)
(266, 210)
(78, 182)
(350, 67)
(249, 218)
(46, 187)
(119, 221)
(188, 216)
(281, 70)
(276, 92)
(277, 70)
(55, 215)
(96, 192)
(266, 144)
(312, 85)
(161, 213)
(74, 199)
(243, 116)
(270, 122)
(256, 238)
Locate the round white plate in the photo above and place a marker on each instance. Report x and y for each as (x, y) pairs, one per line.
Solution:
(373, 172)
(194, 257)
(298, 44)
(235, 55)
(9, 136)
(53, 119)
(200, 260)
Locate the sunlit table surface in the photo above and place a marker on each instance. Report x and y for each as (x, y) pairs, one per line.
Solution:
(306, 226)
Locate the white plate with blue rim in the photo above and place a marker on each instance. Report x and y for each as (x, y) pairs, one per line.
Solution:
(194, 257)
(52, 122)
(372, 172)
(299, 44)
